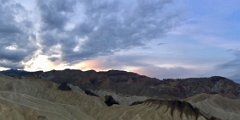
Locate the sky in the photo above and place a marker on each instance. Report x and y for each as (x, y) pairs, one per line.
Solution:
(157, 38)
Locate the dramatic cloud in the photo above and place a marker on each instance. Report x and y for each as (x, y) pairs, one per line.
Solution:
(101, 27)
(15, 35)
(74, 30)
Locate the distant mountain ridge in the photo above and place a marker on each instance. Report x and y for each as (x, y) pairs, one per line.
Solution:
(128, 83)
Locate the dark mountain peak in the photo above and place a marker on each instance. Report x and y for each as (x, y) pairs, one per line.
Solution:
(218, 77)
(90, 71)
(115, 70)
(14, 73)
(119, 72)
(65, 70)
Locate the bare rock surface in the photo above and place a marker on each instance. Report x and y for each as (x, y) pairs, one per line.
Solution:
(217, 105)
(34, 99)
(132, 84)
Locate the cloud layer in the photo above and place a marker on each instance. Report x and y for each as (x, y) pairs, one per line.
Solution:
(89, 28)
(71, 31)
(233, 66)
(15, 35)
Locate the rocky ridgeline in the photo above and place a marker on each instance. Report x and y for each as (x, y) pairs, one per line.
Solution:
(128, 83)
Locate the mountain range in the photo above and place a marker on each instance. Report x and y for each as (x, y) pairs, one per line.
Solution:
(115, 95)
(128, 83)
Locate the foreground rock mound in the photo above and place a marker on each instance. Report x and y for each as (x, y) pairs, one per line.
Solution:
(183, 109)
(217, 105)
(34, 99)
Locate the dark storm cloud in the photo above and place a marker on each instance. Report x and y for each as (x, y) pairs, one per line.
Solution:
(105, 26)
(15, 45)
(233, 66)
(10, 64)
(233, 63)
(54, 13)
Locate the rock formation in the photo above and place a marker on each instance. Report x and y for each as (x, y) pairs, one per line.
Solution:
(36, 99)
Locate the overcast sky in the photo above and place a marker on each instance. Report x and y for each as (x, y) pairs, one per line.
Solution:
(158, 38)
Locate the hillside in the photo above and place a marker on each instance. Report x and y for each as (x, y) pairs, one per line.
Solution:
(217, 105)
(127, 83)
(35, 99)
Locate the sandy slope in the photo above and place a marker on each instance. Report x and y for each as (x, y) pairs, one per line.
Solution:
(30, 99)
(218, 106)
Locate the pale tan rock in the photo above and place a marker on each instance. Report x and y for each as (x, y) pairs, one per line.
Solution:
(217, 105)
(33, 99)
